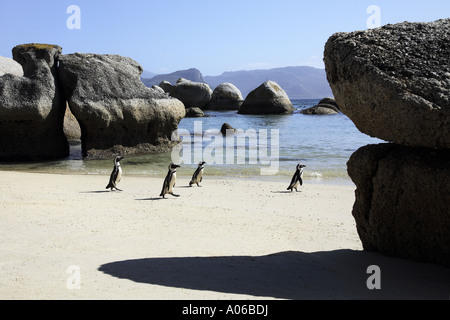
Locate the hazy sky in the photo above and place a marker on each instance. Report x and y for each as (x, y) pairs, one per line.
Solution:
(213, 36)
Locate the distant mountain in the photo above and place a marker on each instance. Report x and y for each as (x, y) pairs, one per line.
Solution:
(298, 82)
(147, 74)
(190, 74)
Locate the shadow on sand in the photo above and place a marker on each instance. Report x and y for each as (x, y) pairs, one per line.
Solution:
(151, 199)
(340, 274)
(98, 191)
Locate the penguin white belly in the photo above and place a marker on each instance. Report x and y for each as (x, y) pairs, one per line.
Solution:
(200, 175)
(172, 182)
(119, 175)
(296, 183)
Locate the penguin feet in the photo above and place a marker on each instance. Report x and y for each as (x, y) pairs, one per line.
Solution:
(113, 187)
(175, 195)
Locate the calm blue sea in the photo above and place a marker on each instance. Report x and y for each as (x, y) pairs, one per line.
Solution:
(271, 146)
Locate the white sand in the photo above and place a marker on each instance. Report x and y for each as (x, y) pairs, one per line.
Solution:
(230, 239)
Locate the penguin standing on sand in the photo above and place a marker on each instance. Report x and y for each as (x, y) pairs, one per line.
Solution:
(198, 174)
(116, 175)
(169, 181)
(297, 178)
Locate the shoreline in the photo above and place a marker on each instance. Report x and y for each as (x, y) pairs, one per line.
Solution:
(228, 240)
(281, 178)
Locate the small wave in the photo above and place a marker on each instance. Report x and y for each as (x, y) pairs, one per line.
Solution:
(314, 174)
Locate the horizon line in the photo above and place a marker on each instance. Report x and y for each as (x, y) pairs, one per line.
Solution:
(246, 70)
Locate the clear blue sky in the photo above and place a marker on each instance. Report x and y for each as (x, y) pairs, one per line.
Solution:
(213, 36)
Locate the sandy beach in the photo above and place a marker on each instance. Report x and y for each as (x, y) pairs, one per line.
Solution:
(67, 237)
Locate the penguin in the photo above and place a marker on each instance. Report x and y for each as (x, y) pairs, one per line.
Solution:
(197, 177)
(169, 181)
(116, 174)
(297, 178)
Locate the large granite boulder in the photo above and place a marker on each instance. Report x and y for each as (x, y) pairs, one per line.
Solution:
(8, 65)
(226, 96)
(402, 201)
(32, 106)
(117, 113)
(268, 98)
(191, 93)
(393, 82)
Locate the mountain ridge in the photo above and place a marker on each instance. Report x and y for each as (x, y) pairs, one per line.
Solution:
(299, 82)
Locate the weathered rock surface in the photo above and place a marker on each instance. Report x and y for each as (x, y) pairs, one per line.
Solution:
(326, 106)
(320, 110)
(158, 89)
(32, 107)
(402, 201)
(329, 101)
(226, 96)
(268, 98)
(192, 94)
(393, 82)
(194, 113)
(71, 126)
(117, 113)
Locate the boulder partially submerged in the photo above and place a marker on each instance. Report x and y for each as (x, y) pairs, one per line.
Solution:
(191, 93)
(32, 107)
(115, 110)
(326, 106)
(194, 113)
(268, 98)
(393, 82)
(226, 96)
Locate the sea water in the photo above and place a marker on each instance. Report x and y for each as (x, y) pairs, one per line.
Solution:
(323, 143)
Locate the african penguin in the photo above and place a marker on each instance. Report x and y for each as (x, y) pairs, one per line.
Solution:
(116, 174)
(297, 178)
(198, 174)
(169, 181)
